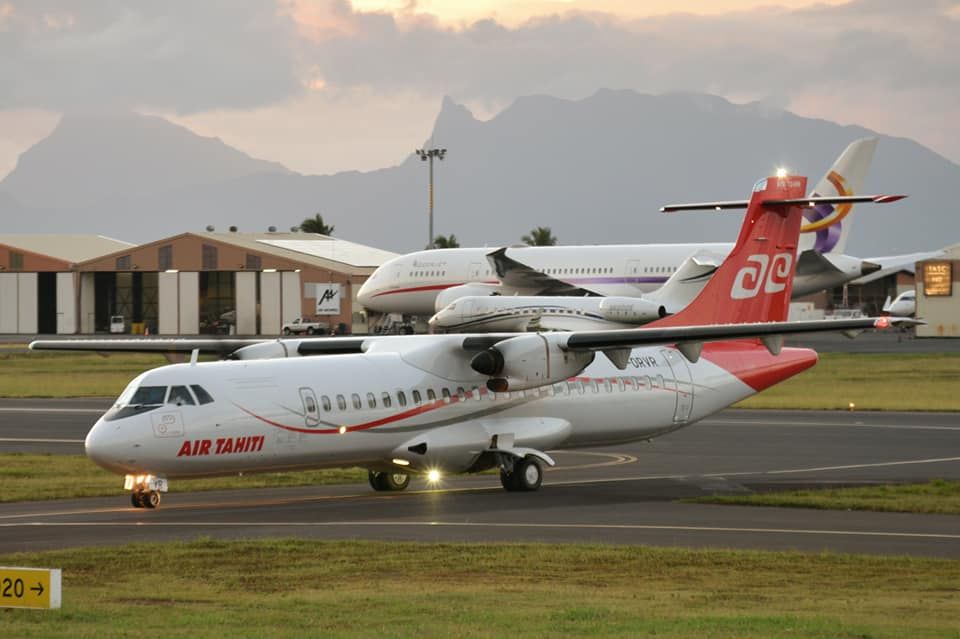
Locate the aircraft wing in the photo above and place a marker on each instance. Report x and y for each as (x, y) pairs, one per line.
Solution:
(635, 337)
(519, 275)
(224, 347)
(893, 263)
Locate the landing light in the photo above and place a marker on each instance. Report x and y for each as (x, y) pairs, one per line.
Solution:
(343, 429)
(401, 462)
(433, 476)
(781, 172)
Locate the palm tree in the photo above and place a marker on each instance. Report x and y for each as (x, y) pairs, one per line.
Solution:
(449, 241)
(540, 236)
(315, 224)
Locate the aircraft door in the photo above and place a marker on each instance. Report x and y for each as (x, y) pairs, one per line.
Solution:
(311, 411)
(634, 273)
(682, 384)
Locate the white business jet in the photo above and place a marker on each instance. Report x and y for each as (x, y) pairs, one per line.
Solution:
(432, 404)
(424, 282)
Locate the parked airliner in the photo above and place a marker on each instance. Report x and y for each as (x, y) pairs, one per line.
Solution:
(424, 282)
(493, 313)
(463, 403)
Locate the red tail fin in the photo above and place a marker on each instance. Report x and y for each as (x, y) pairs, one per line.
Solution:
(754, 283)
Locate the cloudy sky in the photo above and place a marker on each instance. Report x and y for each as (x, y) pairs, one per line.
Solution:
(327, 85)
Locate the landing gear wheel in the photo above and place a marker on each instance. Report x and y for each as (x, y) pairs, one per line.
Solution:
(388, 481)
(151, 499)
(136, 499)
(526, 476)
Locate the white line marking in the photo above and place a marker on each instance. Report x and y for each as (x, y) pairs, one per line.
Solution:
(723, 422)
(455, 524)
(29, 440)
(98, 411)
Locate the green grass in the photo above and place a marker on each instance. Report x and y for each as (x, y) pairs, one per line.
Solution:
(937, 496)
(40, 477)
(53, 374)
(310, 588)
(908, 381)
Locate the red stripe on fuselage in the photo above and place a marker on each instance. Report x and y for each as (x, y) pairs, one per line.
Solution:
(753, 364)
(432, 287)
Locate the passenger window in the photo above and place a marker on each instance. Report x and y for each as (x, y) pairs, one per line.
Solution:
(401, 398)
(387, 402)
(416, 397)
(620, 385)
(608, 385)
(571, 386)
(149, 395)
(660, 381)
(202, 396)
(558, 388)
(311, 404)
(648, 382)
(581, 387)
(341, 402)
(432, 396)
(476, 393)
(630, 384)
(371, 400)
(594, 386)
(446, 394)
(179, 395)
(461, 394)
(326, 403)
(357, 404)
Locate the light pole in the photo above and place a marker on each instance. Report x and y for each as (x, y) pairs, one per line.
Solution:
(427, 155)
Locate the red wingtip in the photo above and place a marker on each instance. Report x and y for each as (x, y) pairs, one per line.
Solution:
(882, 322)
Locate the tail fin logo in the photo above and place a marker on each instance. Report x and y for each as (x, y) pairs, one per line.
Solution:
(826, 220)
(758, 272)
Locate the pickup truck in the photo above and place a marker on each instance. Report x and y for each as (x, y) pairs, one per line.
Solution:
(305, 325)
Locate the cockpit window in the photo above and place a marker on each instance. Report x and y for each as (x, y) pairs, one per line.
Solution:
(180, 396)
(202, 395)
(149, 396)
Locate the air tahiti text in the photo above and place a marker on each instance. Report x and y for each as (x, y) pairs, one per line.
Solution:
(221, 446)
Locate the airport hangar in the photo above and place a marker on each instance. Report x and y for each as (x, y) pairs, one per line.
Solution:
(189, 284)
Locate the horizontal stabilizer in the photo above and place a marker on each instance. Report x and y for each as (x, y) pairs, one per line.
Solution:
(809, 202)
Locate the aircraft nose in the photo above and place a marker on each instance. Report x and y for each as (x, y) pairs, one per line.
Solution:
(102, 447)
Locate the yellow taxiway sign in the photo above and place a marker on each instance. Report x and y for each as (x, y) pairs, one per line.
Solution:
(29, 587)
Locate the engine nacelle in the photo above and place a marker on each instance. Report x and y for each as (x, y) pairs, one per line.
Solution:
(452, 294)
(528, 361)
(276, 349)
(630, 310)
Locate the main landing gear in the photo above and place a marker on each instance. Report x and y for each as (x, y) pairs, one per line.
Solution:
(145, 490)
(524, 475)
(388, 481)
(145, 498)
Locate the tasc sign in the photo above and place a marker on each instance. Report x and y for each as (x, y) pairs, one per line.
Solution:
(29, 587)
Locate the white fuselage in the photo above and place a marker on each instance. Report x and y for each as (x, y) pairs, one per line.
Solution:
(506, 313)
(409, 284)
(369, 410)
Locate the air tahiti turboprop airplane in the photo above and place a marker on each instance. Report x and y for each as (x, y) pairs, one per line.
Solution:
(425, 282)
(462, 403)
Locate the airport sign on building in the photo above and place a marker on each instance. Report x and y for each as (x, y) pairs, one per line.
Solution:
(328, 298)
(29, 587)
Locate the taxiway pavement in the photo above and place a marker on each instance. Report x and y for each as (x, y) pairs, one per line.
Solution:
(625, 494)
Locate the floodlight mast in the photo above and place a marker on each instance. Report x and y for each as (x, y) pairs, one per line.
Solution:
(427, 155)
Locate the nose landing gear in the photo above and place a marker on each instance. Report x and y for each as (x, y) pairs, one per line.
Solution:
(145, 490)
(388, 481)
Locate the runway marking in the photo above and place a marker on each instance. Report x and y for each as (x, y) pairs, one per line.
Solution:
(30, 440)
(722, 422)
(455, 524)
(41, 409)
(618, 459)
(745, 473)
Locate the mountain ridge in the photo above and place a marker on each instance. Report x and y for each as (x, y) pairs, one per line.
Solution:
(595, 170)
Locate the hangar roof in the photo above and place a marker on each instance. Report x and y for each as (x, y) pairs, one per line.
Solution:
(311, 248)
(67, 247)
